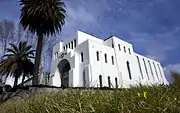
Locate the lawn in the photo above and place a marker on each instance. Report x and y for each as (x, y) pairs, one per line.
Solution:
(156, 99)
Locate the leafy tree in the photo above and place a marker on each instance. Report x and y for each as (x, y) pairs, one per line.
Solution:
(6, 30)
(176, 78)
(17, 62)
(42, 17)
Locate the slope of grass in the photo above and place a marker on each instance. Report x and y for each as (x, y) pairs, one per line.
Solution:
(157, 99)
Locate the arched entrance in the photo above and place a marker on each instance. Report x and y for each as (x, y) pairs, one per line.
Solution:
(64, 67)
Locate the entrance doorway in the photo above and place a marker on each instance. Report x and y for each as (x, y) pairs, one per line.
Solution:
(64, 67)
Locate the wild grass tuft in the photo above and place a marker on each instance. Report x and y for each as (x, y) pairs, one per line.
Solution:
(156, 99)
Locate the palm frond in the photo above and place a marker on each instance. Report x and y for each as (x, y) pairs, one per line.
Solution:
(9, 50)
(15, 48)
(43, 16)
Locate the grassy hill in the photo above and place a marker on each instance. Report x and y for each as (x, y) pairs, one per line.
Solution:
(157, 99)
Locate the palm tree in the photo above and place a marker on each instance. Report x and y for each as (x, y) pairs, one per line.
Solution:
(17, 61)
(42, 17)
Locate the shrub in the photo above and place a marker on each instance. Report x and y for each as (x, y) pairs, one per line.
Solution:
(7, 88)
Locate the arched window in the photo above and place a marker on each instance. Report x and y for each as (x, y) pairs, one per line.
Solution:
(71, 44)
(112, 60)
(140, 67)
(119, 47)
(112, 45)
(146, 69)
(156, 71)
(109, 81)
(75, 43)
(116, 82)
(129, 70)
(124, 49)
(84, 78)
(66, 46)
(151, 70)
(105, 57)
(129, 50)
(97, 55)
(100, 80)
(82, 59)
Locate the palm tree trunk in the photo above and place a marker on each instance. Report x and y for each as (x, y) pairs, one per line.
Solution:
(37, 59)
(15, 82)
(23, 80)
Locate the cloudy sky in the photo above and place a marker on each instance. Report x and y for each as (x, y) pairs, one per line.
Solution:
(152, 26)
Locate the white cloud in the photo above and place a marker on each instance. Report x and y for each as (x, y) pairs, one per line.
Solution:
(173, 67)
(156, 46)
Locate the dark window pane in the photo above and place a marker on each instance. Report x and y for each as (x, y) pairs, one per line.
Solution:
(109, 81)
(97, 55)
(129, 70)
(105, 57)
(82, 59)
(112, 60)
(100, 80)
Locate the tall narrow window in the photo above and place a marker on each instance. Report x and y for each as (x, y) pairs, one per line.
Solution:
(105, 57)
(129, 70)
(140, 67)
(116, 82)
(75, 43)
(84, 78)
(112, 60)
(119, 47)
(109, 81)
(160, 71)
(97, 55)
(124, 49)
(71, 44)
(156, 71)
(82, 59)
(146, 69)
(151, 70)
(66, 46)
(112, 45)
(100, 80)
(129, 50)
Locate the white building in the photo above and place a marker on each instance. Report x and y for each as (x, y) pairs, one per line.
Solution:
(87, 61)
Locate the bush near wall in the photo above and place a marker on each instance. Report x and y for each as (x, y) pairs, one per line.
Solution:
(155, 99)
(176, 79)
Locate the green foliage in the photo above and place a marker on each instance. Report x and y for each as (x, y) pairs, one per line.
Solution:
(17, 61)
(159, 99)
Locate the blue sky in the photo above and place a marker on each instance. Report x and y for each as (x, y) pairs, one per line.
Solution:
(152, 26)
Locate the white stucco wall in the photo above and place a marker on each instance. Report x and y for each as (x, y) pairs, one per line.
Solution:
(86, 73)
